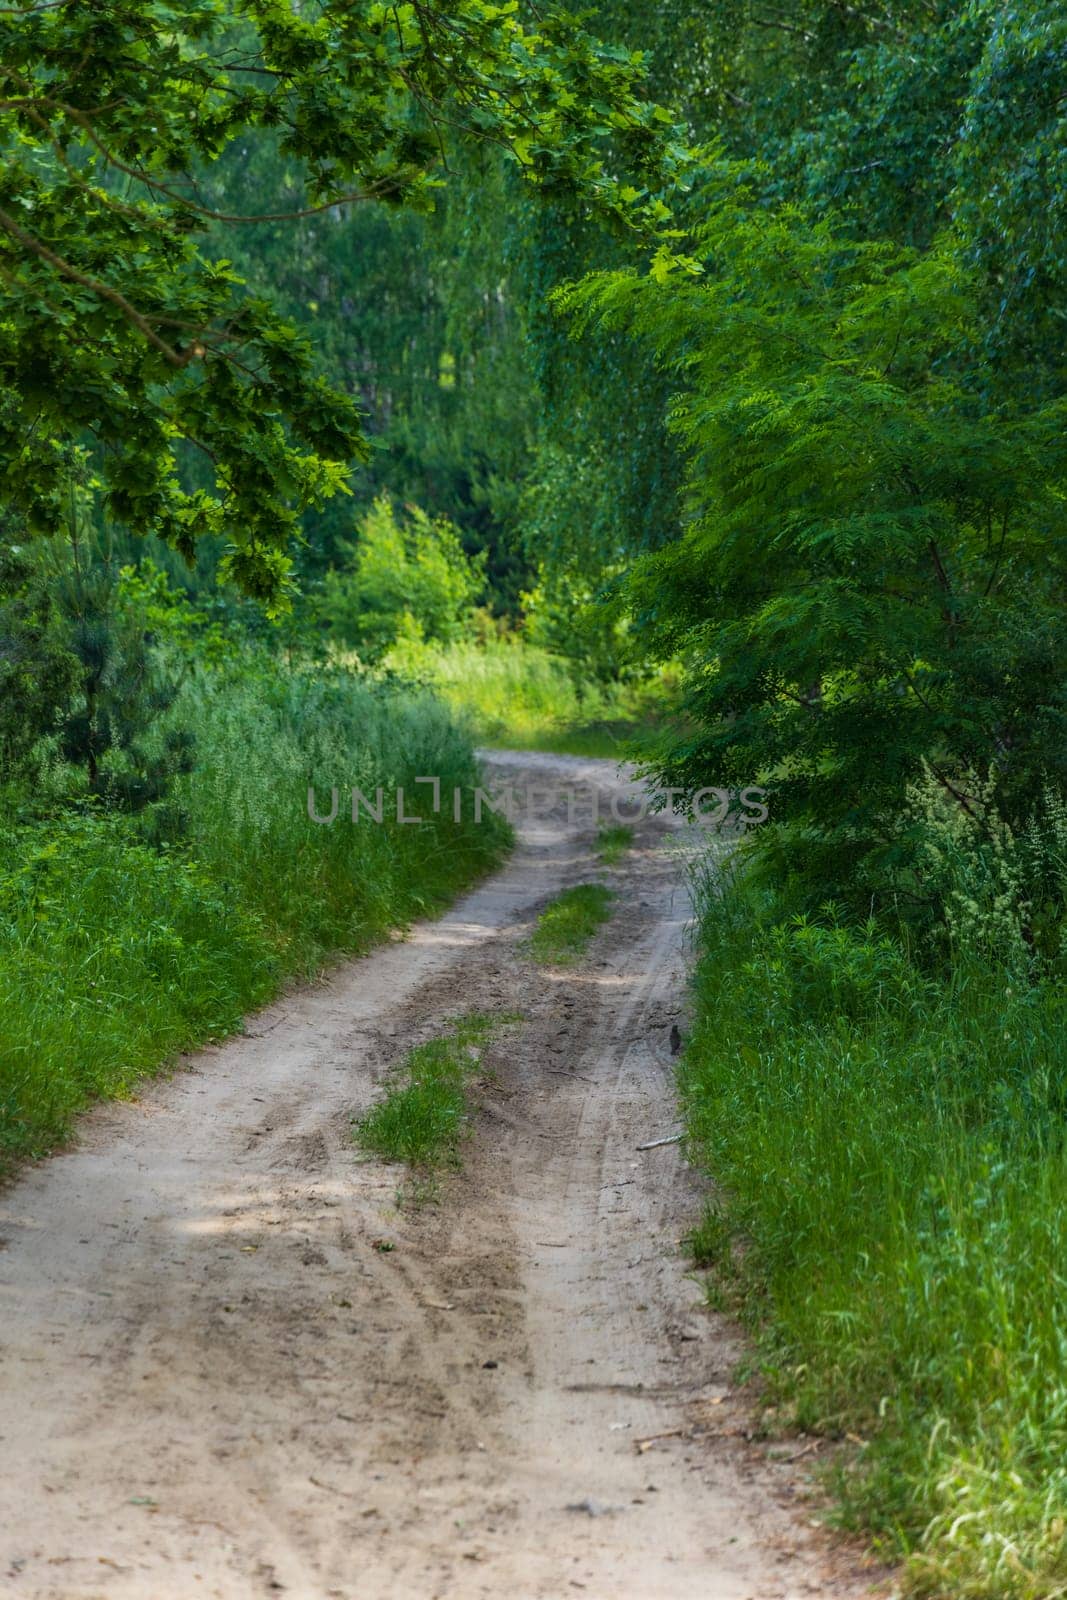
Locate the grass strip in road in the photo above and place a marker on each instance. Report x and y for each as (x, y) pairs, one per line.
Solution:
(613, 843)
(566, 926)
(426, 1111)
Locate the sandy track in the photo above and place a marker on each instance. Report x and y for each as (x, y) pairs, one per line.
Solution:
(213, 1383)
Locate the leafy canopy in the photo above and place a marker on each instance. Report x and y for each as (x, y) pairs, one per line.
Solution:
(122, 338)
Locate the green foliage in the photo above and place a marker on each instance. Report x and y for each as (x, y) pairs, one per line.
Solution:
(613, 842)
(415, 315)
(566, 926)
(891, 1186)
(122, 692)
(113, 956)
(121, 335)
(570, 614)
(819, 971)
(425, 1112)
(404, 579)
(38, 671)
(517, 696)
(871, 570)
(171, 619)
(909, 117)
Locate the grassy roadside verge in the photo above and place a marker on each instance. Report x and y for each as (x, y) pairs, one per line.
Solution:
(565, 927)
(891, 1215)
(115, 955)
(424, 1114)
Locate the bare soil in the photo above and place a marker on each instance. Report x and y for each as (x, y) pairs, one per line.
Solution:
(233, 1363)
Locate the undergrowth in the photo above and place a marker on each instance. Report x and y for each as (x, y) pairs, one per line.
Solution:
(518, 696)
(115, 954)
(888, 1150)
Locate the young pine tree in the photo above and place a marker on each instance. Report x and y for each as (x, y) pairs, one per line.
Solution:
(111, 731)
(38, 671)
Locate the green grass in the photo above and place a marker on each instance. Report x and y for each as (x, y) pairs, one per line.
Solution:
(425, 1113)
(613, 843)
(520, 697)
(566, 926)
(114, 956)
(891, 1176)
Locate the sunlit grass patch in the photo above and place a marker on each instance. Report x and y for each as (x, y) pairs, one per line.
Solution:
(425, 1112)
(565, 927)
(613, 843)
(517, 696)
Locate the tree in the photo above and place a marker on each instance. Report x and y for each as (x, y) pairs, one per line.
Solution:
(404, 577)
(117, 329)
(873, 566)
(38, 671)
(414, 316)
(112, 728)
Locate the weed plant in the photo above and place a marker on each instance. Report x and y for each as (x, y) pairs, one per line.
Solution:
(613, 843)
(425, 1111)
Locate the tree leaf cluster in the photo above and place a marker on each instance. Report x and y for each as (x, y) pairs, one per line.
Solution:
(122, 332)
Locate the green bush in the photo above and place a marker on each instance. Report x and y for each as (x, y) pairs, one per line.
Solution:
(404, 578)
(869, 583)
(808, 971)
(38, 672)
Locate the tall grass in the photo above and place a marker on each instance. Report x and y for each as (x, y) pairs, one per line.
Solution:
(521, 697)
(114, 955)
(891, 1210)
(261, 741)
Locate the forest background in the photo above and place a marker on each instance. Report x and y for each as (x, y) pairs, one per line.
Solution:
(378, 381)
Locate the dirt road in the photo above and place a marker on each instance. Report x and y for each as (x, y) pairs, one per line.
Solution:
(214, 1381)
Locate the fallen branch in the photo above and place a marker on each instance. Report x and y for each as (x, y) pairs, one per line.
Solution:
(641, 1445)
(654, 1144)
(268, 1029)
(798, 1455)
